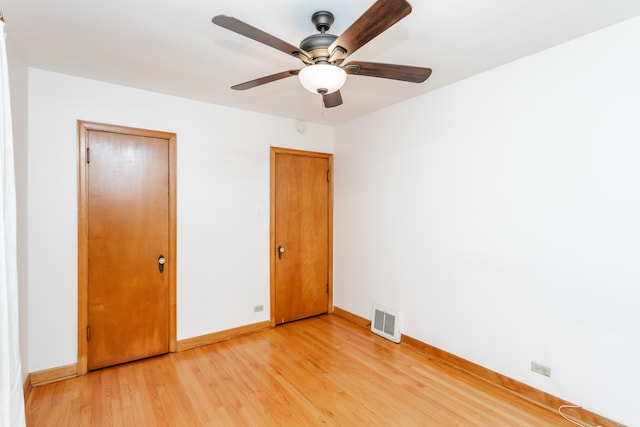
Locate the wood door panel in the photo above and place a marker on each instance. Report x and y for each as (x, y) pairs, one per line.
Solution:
(302, 228)
(128, 229)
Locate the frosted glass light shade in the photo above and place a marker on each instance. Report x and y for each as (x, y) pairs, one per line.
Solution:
(319, 78)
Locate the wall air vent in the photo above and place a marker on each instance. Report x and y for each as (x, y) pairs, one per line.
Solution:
(386, 322)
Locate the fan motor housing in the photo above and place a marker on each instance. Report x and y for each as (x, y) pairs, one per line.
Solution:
(318, 44)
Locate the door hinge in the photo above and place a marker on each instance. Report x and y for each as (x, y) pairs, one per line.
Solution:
(87, 155)
(329, 176)
(327, 288)
(88, 333)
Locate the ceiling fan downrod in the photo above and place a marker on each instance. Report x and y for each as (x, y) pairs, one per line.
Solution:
(317, 44)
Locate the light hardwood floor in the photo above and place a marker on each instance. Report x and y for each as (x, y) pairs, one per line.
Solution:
(320, 371)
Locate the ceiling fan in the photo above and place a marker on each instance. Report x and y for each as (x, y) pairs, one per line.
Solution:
(324, 53)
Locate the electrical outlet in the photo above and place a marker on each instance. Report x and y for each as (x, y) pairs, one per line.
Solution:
(541, 369)
(258, 308)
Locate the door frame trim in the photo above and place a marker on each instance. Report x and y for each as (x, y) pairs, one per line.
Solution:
(272, 225)
(83, 230)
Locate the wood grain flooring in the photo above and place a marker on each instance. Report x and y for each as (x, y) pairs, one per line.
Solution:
(319, 371)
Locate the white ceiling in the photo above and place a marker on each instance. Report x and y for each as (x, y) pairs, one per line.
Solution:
(171, 46)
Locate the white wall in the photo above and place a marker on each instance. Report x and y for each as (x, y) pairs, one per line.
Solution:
(502, 216)
(19, 115)
(223, 204)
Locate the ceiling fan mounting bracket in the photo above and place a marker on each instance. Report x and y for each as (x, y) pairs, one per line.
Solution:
(323, 20)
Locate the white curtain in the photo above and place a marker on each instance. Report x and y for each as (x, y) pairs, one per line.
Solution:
(11, 394)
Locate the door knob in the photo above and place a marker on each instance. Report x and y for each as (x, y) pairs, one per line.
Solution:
(280, 252)
(161, 261)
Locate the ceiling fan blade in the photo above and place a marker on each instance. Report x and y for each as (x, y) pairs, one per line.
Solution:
(237, 26)
(265, 79)
(405, 73)
(379, 17)
(332, 99)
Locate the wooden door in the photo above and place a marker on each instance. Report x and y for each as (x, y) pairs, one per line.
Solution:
(129, 251)
(301, 234)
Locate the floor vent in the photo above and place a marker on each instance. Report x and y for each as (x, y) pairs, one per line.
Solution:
(386, 323)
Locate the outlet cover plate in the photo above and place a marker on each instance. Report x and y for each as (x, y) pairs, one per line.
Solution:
(541, 369)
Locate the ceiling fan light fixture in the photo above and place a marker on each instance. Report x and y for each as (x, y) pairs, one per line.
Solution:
(322, 78)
